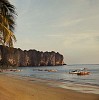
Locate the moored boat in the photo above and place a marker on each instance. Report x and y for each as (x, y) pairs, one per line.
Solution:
(52, 70)
(80, 72)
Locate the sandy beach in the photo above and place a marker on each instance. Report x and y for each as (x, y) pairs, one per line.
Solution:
(14, 88)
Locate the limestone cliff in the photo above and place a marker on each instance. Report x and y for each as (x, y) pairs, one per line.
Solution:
(18, 57)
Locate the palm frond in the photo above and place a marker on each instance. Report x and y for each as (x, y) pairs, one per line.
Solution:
(7, 22)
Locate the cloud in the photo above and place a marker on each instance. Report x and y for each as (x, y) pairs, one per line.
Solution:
(66, 23)
(55, 35)
(76, 41)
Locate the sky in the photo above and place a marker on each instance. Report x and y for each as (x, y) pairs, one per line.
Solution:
(70, 27)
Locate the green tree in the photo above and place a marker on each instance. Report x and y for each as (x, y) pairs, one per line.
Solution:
(7, 23)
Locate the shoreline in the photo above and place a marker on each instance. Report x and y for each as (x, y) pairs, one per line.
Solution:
(82, 88)
(15, 87)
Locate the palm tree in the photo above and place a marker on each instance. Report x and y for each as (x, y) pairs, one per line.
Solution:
(7, 23)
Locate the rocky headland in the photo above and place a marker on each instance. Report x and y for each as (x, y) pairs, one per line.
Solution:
(18, 57)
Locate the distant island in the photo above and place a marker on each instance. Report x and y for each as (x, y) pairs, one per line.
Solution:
(17, 57)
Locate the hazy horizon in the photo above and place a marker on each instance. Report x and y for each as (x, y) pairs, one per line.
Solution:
(69, 27)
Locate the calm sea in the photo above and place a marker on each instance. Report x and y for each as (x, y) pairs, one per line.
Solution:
(62, 73)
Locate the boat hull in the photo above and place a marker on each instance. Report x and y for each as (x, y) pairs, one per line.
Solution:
(83, 73)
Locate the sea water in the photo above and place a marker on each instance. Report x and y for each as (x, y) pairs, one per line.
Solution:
(62, 78)
(62, 74)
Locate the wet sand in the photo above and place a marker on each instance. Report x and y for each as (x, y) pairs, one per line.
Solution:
(14, 88)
